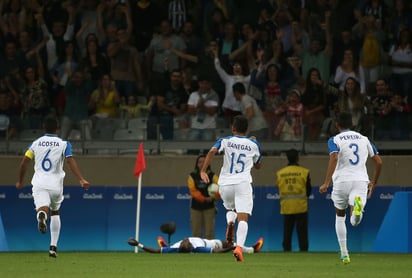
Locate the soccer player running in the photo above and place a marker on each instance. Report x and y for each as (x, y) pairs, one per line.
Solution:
(241, 154)
(49, 153)
(348, 153)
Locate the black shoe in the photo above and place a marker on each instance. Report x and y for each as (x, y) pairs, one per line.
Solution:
(41, 222)
(53, 251)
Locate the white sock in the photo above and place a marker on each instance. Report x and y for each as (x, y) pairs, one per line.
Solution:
(340, 227)
(55, 225)
(241, 233)
(355, 220)
(231, 216)
(248, 250)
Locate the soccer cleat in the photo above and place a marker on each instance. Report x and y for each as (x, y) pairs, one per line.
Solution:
(345, 259)
(258, 245)
(131, 241)
(53, 251)
(161, 242)
(358, 207)
(230, 233)
(41, 222)
(237, 253)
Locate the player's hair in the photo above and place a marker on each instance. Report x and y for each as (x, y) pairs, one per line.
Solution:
(240, 123)
(345, 120)
(185, 246)
(50, 124)
(292, 155)
(239, 88)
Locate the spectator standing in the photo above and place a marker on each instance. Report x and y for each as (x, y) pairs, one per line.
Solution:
(159, 52)
(352, 101)
(202, 206)
(35, 96)
(203, 106)
(171, 103)
(76, 112)
(350, 67)
(230, 105)
(125, 67)
(379, 105)
(401, 62)
(295, 188)
(258, 126)
(290, 115)
(95, 62)
(104, 100)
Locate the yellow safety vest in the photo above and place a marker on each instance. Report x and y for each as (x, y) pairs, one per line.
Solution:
(291, 181)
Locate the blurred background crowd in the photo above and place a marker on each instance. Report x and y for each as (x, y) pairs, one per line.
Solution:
(183, 68)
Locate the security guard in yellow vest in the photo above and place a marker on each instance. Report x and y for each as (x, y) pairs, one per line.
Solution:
(294, 189)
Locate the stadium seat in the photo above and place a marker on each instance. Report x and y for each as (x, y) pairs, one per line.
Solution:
(129, 134)
(4, 125)
(30, 134)
(137, 123)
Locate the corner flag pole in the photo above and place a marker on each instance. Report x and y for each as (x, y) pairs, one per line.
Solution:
(138, 198)
(139, 167)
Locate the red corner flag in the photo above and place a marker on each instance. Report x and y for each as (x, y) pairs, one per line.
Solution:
(140, 165)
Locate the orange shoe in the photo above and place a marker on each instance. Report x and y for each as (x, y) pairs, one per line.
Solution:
(230, 233)
(237, 253)
(161, 242)
(258, 245)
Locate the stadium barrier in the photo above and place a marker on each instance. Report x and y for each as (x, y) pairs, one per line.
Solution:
(103, 218)
(395, 233)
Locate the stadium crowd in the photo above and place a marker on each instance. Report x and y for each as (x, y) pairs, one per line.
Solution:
(174, 63)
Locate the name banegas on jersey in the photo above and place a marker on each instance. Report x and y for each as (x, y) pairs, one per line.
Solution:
(239, 146)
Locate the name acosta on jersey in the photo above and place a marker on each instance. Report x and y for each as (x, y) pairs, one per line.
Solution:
(48, 144)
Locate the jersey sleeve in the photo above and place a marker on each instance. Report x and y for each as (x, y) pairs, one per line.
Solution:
(68, 152)
(332, 145)
(169, 250)
(202, 250)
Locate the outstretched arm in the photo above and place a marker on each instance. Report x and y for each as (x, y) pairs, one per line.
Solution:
(75, 169)
(22, 171)
(133, 242)
(209, 157)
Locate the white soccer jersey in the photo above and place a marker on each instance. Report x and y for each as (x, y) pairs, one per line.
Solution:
(201, 242)
(353, 150)
(240, 155)
(49, 152)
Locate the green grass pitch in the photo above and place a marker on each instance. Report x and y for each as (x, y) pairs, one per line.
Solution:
(264, 264)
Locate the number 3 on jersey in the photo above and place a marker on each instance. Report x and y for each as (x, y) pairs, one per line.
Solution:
(355, 149)
(237, 162)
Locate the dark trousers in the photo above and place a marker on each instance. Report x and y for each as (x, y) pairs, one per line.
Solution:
(301, 221)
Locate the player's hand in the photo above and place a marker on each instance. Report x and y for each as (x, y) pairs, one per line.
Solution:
(85, 184)
(323, 188)
(19, 185)
(371, 186)
(205, 177)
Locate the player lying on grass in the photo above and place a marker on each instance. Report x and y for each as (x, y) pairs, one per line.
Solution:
(195, 245)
